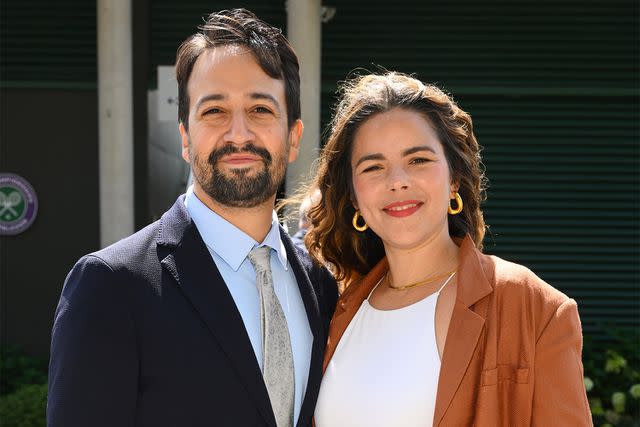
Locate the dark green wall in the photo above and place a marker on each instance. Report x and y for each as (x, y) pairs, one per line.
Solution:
(48, 44)
(49, 135)
(552, 86)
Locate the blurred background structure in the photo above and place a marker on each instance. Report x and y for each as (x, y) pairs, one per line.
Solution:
(552, 85)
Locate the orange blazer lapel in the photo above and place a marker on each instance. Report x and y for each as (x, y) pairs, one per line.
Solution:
(465, 328)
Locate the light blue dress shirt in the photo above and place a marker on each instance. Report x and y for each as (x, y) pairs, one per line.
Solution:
(229, 247)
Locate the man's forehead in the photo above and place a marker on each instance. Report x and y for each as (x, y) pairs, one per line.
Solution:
(232, 70)
(217, 54)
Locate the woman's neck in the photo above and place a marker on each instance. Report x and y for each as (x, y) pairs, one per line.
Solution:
(434, 256)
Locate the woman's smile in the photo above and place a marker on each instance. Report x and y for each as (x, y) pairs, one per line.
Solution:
(402, 209)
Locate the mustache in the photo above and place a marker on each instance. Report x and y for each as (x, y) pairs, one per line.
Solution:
(216, 155)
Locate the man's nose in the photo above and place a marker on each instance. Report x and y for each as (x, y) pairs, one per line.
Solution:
(239, 131)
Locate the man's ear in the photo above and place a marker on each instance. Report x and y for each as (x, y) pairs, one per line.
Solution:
(184, 135)
(295, 135)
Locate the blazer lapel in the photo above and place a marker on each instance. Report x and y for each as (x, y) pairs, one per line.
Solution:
(190, 264)
(465, 327)
(307, 292)
(312, 309)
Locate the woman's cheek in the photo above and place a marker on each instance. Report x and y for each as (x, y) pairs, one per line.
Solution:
(362, 193)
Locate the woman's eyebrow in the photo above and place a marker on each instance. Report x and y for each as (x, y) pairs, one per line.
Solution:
(407, 152)
(374, 156)
(417, 149)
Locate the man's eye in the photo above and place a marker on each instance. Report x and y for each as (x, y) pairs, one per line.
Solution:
(211, 111)
(262, 110)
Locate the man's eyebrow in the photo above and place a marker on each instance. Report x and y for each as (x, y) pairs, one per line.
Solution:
(210, 97)
(266, 96)
(417, 149)
(374, 156)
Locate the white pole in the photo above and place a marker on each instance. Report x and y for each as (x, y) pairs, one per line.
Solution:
(115, 120)
(304, 31)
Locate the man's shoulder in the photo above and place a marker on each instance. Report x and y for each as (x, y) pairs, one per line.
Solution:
(134, 250)
(129, 250)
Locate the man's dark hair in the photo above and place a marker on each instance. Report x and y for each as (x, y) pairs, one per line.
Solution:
(240, 27)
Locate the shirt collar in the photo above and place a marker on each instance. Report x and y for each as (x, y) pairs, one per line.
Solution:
(225, 239)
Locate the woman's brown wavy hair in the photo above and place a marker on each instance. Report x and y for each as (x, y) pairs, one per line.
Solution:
(332, 239)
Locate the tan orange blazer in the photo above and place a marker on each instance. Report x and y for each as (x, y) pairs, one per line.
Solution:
(512, 356)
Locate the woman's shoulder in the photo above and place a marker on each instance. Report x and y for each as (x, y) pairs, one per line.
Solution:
(514, 280)
(521, 294)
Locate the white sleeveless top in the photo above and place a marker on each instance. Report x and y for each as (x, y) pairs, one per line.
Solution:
(385, 369)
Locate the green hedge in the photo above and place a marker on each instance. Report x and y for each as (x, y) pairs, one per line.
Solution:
(23, 389)
(612, 378)
(25, 407)
(17, 369)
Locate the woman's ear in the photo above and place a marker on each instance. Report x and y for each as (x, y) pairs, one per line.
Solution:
(454, 187)
(353, 200)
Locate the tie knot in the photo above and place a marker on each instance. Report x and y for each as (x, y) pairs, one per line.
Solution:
(260, 258)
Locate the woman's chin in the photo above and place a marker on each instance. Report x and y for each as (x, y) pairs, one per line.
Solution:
(405, 243)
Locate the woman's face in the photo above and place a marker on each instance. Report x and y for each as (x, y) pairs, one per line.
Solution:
(401, 179)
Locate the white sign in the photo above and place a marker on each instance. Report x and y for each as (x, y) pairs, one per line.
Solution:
(167, 94)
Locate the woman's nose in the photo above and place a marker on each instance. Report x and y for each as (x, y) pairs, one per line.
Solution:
(398, 179)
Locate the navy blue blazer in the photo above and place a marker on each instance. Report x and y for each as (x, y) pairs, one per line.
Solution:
(147, 334)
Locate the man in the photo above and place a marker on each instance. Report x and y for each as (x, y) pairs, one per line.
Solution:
(209, 316)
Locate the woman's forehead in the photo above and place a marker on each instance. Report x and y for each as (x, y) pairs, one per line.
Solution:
(395, 131)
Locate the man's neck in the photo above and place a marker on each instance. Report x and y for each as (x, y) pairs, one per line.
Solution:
(254, 221)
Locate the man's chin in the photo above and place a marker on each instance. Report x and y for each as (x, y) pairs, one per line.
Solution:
(239, 172)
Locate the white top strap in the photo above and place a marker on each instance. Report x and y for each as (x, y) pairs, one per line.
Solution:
(445, 283)
(374, 288)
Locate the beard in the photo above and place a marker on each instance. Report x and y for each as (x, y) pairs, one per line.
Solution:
(237, 188)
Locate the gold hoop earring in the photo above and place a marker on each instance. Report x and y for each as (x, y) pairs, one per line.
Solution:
(360, 228)
(458, 209)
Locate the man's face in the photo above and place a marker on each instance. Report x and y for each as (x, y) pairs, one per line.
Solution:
(238, 142)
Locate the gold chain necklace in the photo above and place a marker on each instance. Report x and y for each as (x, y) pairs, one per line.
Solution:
(419, 282)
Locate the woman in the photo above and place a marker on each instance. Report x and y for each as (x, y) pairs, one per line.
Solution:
(429, 330)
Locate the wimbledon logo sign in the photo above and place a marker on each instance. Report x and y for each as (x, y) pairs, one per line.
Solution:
(18, 204)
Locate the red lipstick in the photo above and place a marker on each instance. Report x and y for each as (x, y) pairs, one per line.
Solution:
(403, 208)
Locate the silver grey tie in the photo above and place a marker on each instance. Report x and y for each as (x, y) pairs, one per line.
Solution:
(277, 357)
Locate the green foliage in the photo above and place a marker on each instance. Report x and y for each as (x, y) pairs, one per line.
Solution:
(26, 407)
(16, 369)
(612, 378)
(23, 389)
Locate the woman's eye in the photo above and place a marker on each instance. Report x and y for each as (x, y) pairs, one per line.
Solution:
(371, 168)
(419, 160)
